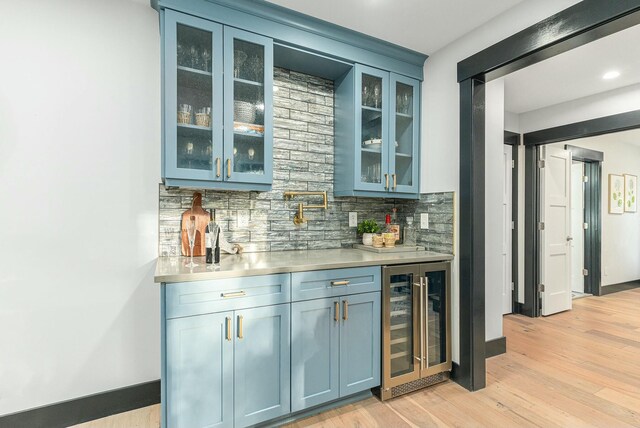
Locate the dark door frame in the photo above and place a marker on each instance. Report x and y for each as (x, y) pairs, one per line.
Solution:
(575, 26)
(513, 139)
(593, 194)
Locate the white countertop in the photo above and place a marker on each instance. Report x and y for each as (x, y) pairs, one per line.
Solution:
(173, 269)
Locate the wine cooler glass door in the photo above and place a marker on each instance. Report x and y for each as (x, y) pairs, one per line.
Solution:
(437, 347)
(402, 328)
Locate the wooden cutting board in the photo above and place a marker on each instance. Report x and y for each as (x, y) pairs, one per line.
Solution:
(202, 219)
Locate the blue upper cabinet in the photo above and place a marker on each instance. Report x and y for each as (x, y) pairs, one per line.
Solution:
(248, 107)
(217, 114)
(193, 97)
(377, 134)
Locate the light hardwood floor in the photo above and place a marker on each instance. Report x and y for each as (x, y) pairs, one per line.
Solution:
(578, 368)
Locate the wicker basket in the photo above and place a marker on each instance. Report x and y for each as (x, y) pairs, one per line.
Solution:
(377, 241)
(244, 111)
(184, 117)
(203, 119)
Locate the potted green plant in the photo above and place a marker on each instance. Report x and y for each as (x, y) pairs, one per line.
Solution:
(368, 228)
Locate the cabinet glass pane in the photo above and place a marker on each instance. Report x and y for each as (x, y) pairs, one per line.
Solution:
(401, 326)
(195, 92)
(248, 107)
(436, 318)
(371, 151)
(404, 134)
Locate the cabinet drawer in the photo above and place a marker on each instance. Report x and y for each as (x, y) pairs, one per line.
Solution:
(335, 282)
(200, 297)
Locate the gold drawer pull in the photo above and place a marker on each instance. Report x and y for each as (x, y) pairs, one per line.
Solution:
(228, 321)
(386, 180)
(234, 294)
(336, 310)
(218, 173)
(395, 181)
(240, 330)
(228, 167)
(345, 310)
(336, 283)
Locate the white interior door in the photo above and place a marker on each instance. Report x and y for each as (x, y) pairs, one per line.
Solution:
(507, 276)
(577, 229)
(555, 237)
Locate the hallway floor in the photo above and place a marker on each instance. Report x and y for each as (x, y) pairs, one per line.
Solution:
(573, 369)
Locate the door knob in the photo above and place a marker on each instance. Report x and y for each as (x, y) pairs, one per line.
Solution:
(569, 238)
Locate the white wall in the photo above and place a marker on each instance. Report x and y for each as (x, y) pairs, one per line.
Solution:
(620, 232)
(441, 108)
(494, 227)
(604, 104)
(80, 166)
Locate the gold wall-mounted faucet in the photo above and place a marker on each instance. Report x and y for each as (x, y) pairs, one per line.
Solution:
(299, 217)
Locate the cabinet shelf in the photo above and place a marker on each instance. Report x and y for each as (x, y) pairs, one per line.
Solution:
(378, 152)
(247, 82)
(194, 71)
(373, 109)
(404, 115)
(403, 155)
(193, 127)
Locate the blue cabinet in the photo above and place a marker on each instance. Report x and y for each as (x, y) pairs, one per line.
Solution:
(360, 343)
(199, 371)
(315, 354)
(218, 102)
(335, 348)
(377, 134)
(262, 368)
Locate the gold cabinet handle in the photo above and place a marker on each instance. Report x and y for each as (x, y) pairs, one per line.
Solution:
(337, 283)
(395, 183)
(228, 167)
(336, 310)
(240, 330)
(345, 310)
(234, 294)
(386, 180)
(218, 172)
(228, 321)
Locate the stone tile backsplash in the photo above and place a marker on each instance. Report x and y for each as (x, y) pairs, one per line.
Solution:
(303, 160)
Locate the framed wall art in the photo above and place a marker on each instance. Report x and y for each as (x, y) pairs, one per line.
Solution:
(616, 194)
(630, 193)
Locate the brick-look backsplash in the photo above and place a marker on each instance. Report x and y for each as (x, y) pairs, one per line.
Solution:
(303, 160)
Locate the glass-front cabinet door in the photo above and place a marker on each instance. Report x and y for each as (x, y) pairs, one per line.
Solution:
(437, 324)
(404, 134)
(248, 85)
(401, 321)
(193, 94)
(371, 103)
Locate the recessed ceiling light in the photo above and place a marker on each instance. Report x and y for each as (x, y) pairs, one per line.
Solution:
(611, 75)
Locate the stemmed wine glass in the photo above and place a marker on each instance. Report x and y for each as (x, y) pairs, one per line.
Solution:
(191, 234)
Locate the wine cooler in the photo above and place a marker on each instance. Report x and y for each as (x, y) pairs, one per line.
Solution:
(416, 320)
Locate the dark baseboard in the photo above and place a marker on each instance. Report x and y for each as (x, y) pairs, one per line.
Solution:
(614, 288)
(87, 408)
(495, 347)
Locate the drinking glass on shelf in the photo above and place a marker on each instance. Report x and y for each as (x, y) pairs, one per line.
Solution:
(194, 57)
(365, 95)
(191, 234)
(206, 58)
(406, 105)
(181, 53)
(239, 58)
(376, 96)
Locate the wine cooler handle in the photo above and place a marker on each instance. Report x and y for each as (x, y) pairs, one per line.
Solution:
(418, 285)
(422, 323)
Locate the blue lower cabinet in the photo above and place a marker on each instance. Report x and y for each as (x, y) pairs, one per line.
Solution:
(335, 348)
(359, 343)
(315, 357)
(262, 364)
(199, 373)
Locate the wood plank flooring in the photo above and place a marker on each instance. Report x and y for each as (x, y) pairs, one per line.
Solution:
(575, 369)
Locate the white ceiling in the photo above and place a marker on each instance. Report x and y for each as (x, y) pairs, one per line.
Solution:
(576, 73)
(422, 25)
